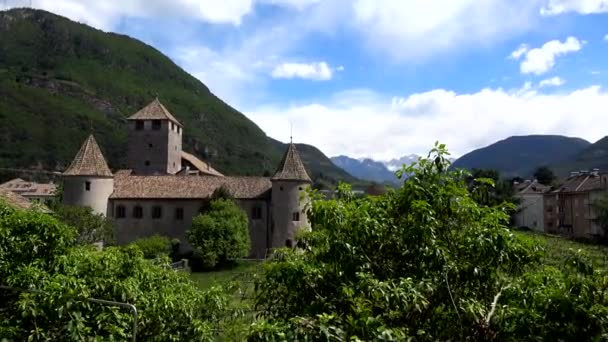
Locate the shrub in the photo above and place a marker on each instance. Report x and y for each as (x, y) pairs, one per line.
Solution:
(220, 234)
(154, 246)
(91, 227)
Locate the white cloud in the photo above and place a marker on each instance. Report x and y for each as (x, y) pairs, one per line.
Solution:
(540, 60)
(552, 82)
(606, 37)
(413, 29)
(365, 124)
(555, 7)
(521, 50)
(317, 71)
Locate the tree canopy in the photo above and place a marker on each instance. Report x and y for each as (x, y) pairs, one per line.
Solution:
(427, 262)
(544, 175)
(221, 233)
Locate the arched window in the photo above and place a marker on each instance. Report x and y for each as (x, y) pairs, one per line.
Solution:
(295, 216)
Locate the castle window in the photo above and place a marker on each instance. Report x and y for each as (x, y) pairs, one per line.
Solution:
(139, 125)
(138, 212)
(156, 125)
(178, 130)
(150, 145)
(172, 126)
(295, 216)
(157, 212)
(179, 214)
(147, 163)
(256, 213)
(300, 188)
(121, 212)
(87, 186)
(281, 188)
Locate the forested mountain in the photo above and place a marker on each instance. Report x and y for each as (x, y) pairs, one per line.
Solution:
(521, 155)
(60, 80)
(594, 156)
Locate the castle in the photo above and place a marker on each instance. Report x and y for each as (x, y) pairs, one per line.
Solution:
(164, 187)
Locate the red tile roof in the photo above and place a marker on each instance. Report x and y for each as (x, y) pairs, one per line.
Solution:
(89, 161)
(128, 186)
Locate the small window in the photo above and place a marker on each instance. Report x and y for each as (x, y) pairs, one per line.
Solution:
(295, 216)
(147, 163)
(87, 186)
(256, 213)
(157, 212)
(281, 188)
(172, 126)
(121, 211)
(288, 243)
(179, 214)
(179, 130)
(139, 125)
(300, 188)
(150, 145)
(138, 212)
(156, 125)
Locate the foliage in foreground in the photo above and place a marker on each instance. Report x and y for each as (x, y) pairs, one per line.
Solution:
(220, 234)
(426, 262)
(38, 252)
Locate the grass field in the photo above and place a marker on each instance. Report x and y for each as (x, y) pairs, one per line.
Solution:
(242, 272)
(557, 249)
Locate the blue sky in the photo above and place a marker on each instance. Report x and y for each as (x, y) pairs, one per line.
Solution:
(383, 79)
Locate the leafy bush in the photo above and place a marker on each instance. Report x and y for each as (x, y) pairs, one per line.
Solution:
(39, 252)
(154, 246)
(424, 262)
(91, 227)
(220, 234)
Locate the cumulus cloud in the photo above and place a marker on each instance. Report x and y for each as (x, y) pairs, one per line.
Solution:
(317, 71)
(413, 29)
(555, 7)
(365, 124)
(552, 82)
(540, 60)
(606, 37)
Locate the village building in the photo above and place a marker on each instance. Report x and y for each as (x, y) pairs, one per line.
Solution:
(568, 208)
(165, 187)
(32, 191)
(530, 207)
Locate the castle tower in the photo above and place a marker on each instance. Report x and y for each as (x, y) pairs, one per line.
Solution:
(289, 198)
(155, 141)
(88, 182)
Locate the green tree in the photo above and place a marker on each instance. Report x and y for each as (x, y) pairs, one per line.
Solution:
(544, 175)
(488, 188)
(220, 234)
(38, 252)
(424, 262)
(154, 246)
(91, 227)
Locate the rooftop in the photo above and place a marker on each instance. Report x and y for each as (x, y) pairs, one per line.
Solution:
(89, 161)
(17, 201)
(154, 111)
(30, 189)
(291, 167)
(200, 165)
(128, 186)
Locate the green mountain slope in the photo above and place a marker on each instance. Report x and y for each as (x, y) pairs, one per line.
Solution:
(60, 79)
(594, 156)
(521, 155)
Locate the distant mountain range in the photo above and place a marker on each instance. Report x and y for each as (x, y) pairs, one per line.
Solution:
(373, 170)
(521, 155)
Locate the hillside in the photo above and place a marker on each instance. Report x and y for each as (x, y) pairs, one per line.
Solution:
(60, 79)
(521, 155)
(367, 169)
(592, 157)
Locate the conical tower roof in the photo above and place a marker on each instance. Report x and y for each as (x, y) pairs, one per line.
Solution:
(89, 161)
(291, 167)
(154, 111)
